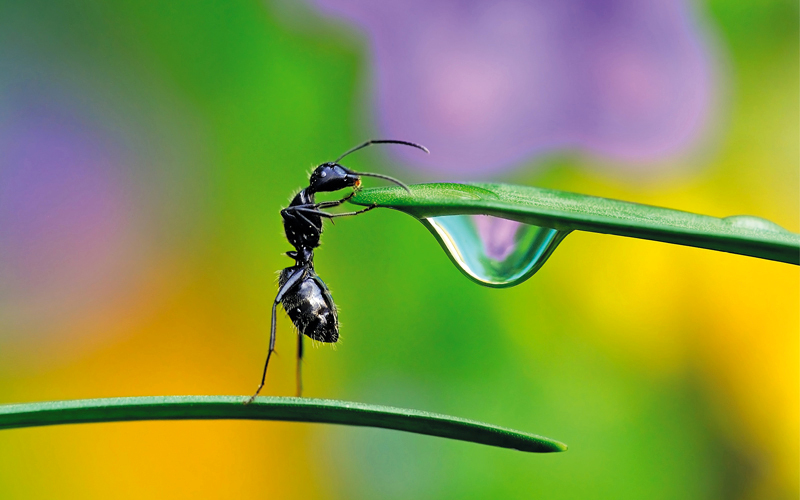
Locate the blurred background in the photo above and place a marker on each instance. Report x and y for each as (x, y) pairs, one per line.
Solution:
(146, 149)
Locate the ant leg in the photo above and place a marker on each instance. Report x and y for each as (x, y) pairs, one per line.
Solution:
(299, 210)
(299, 364)
(331, 216)
(323, 204)
(312, 208)
(293, 213)
(345, 214)
(329, 204)
(291, 282)
(311, 224)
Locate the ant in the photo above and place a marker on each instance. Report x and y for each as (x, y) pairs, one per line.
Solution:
(304, 296)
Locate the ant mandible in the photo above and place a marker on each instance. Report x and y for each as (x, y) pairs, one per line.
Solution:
(304, 296)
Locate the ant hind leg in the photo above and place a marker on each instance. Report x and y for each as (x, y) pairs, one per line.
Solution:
(299, 364)
(290, 283)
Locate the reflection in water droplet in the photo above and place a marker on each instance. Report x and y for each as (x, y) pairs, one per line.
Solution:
(493, 251)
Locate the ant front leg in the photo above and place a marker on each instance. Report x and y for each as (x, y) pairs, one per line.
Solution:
(329, 204)
(330, 216)
(291, 282)
(317, 206)
(326, 215)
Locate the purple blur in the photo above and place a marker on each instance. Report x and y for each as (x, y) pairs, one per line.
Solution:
(487, 85)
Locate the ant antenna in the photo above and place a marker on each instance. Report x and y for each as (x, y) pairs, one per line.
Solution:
(381, 141)
(386, 177)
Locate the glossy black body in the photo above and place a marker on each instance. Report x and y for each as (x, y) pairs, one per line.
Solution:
(310, 306)
(302, 219)
(309, 302)
(302, 230)
(303, 295)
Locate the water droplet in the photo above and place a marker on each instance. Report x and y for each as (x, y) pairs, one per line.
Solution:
(753, 222)
(494, 251)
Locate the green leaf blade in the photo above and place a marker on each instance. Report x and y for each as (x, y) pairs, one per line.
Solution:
(270, 408)
(744, 235)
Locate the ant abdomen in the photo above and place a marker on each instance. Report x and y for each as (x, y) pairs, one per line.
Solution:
(310, 306)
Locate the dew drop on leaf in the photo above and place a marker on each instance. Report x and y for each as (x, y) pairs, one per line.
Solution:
(494, 251)
(753, 223)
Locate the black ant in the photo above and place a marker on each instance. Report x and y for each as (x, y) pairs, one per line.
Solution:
(304, 296)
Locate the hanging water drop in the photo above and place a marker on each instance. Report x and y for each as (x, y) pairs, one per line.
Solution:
(493, 251)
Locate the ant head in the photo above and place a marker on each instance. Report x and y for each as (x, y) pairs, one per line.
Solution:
(332, 177)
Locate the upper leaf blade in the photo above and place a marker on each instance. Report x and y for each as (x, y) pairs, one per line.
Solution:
(745, 235)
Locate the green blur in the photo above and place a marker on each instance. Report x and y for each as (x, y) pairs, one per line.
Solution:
(628, 351)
